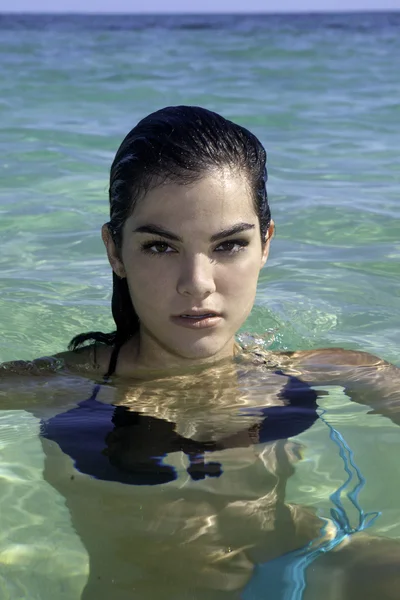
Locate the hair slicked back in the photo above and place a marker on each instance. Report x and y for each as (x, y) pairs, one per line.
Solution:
(177, 144)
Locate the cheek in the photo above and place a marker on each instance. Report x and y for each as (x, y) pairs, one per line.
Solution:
(239, 279)
(149, 280)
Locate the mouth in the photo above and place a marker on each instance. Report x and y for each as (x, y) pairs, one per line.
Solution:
(199, 314)
(198, 319)
(206, 315)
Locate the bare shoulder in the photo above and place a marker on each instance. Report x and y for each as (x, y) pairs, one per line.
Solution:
(336, 357)
(344, 367)
(89, 360)
(93, 359)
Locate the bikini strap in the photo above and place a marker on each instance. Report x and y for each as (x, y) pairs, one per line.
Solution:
(113, 362)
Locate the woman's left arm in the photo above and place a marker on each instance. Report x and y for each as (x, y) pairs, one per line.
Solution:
(366, 378)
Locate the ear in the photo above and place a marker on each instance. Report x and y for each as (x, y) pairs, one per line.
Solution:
(265, 250)
(112, 253)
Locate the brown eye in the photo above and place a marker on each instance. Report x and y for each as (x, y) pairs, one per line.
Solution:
(156, 247)
(232, 246)
(160, 247)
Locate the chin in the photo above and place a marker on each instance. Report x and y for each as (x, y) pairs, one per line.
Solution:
(202, 350)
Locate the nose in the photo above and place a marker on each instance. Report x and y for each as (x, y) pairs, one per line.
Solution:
(196, 277)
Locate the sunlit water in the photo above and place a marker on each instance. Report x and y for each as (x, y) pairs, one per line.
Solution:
(322, 93)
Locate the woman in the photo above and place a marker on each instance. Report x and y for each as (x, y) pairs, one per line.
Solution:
(175, 472)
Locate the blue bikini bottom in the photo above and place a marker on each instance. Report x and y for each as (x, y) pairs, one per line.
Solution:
(284, 578)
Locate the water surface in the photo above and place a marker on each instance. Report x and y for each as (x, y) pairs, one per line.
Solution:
(322, 93)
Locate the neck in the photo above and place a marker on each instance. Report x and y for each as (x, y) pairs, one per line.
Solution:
(144, 353)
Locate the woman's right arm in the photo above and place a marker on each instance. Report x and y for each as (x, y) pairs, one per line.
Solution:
(47, 381)
(84, 361)
(46, 365)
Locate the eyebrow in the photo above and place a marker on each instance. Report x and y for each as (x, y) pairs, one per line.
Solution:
(156, 230)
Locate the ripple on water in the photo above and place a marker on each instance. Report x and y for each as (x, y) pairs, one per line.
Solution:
(41, 556)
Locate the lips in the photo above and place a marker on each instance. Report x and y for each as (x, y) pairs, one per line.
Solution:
(197, 319)
(201, 314)
(205, 316)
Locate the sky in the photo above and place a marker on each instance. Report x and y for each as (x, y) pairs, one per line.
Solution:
(193, 6)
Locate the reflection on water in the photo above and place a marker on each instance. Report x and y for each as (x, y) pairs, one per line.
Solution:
(177, 486)
(41, 557)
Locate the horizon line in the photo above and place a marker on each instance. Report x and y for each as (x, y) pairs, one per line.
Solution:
(200, 14)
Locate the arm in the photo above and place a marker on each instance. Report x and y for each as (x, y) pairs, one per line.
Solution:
(366, 378)
(46, 381)
(82, 361)
(43, 366)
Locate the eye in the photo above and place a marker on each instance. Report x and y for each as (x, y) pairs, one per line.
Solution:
(156, 247)
(232, 246)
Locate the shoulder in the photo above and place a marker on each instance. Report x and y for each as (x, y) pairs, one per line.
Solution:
(337, 366)
(89, 360)
(335, 357)
(92, 359)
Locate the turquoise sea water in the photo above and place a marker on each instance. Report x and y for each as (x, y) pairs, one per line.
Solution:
(321, 92)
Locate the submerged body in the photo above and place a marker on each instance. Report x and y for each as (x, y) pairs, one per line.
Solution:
(176, 484)
(171, 529)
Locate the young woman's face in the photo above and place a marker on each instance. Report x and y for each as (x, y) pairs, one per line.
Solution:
(192, 255)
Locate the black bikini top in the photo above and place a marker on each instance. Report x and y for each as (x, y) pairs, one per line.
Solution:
(114, 443)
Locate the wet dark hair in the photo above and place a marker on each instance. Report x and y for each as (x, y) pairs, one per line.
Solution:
(177, 144)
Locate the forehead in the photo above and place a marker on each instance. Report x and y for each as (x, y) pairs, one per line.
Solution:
(217, 200)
